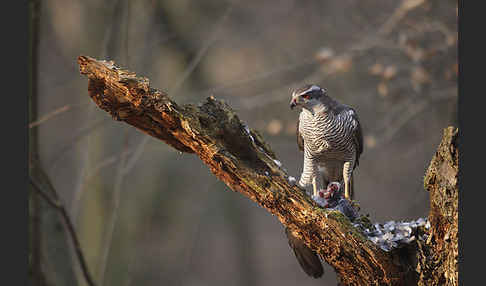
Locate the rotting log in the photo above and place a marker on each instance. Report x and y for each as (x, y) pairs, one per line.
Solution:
(238, 156)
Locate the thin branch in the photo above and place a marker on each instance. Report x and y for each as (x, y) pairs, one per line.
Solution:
(117, 189)
(136, 155)
(56, 112)
(413, 109)
(261, 76)
(70, 228)
(411, 113)
(83, 132)
(78, 186)
(44, 195)
(108, 162)
(195, 237)
(212, 39)
(400, 12)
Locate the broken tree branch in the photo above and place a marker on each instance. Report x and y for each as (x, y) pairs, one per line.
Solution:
(238, 156)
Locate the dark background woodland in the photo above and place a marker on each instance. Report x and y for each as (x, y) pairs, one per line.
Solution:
(148, 215)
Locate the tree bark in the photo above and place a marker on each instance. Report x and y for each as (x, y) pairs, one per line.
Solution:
(438, 257)
(238, 156)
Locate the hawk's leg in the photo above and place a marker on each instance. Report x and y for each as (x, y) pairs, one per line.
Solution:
(311, 175)
(307, 172)
(317, 185)
(347, 174)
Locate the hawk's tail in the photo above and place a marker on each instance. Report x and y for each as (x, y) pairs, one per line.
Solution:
(308, 259)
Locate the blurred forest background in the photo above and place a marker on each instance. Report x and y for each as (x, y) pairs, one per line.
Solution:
(146, 214)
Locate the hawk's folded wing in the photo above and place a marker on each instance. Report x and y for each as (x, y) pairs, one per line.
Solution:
(300, 140)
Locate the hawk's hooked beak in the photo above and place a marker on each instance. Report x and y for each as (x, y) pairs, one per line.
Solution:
(293, 102)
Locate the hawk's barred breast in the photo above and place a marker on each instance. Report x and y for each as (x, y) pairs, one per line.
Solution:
(325, 135)
(330, 137)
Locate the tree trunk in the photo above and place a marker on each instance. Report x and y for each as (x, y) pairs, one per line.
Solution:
(438, 257)
(238, 156)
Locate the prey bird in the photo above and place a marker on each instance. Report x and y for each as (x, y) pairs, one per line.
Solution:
(330, 135)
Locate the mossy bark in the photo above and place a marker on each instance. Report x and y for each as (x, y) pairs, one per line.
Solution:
(238, 156)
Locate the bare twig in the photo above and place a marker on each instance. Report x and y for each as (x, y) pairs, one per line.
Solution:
(400, 12)
(107, 162)
(261, 76)
(78, 186)
(117, 189)
(411, 113)
(56, 112)
(83, 132)
(412, 110)
(195, 236)
(136, 154)
(212, 39)
(55, 203)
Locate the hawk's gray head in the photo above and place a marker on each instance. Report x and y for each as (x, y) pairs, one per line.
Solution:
(309, 96)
